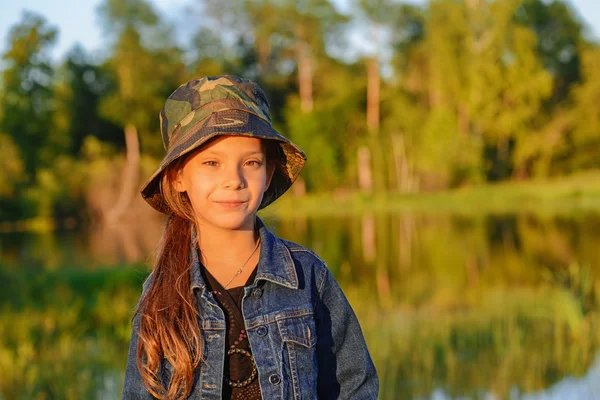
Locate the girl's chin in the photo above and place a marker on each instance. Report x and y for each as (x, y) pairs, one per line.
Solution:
(229, 222)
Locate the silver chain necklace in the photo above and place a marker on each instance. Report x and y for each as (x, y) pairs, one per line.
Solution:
(239, 271)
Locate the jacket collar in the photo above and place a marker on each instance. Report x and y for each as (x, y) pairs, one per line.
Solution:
(275, 262)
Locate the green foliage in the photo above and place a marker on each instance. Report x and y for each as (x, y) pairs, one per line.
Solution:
(559, 34)
(26, 100)
(68, 333)
(324, 172)
(80, 87)
(11, 166)
(331, 133)
(120, 16)
(439, 149)
(471, 92)
(584, 115)
(143, 76)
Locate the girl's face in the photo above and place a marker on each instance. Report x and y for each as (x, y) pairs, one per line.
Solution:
(225, 181)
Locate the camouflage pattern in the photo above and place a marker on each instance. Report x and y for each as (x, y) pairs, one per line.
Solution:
(220, 105)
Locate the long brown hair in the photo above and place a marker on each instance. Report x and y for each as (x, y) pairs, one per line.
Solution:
(169, 325)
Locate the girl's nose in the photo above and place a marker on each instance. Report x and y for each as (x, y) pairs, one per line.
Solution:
(233, 178)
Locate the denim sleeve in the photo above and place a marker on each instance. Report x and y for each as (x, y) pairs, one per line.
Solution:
(133, 388)
(346, 370)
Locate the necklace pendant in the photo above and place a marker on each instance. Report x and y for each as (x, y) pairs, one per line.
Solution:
(239, 271)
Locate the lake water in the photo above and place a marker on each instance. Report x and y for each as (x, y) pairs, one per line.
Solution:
(452, 307)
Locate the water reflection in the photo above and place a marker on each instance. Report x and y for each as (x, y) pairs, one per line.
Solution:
(586, 387)
(452, 306)
(569, 388)
(100, 245)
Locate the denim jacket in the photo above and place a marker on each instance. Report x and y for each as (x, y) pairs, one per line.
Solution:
(304, 336)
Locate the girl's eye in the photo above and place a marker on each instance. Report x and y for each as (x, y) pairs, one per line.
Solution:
(211, 163)
(253, 163)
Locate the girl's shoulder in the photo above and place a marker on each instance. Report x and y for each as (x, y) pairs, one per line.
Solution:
(147, 283)
(307, 259)
(302, 251)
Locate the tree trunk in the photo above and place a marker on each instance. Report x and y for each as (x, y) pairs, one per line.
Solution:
(264, 50)
(405, 241)
(305, 74)
(463, 119)
(299, 187)
(373, 83)
(365, 178)
(305, 87)
(368, 238)
(404, 177)
(130, 176)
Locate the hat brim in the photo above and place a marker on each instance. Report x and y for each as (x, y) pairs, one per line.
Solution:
(290, 162)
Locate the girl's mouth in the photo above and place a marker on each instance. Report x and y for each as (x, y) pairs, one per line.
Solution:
(230, 204)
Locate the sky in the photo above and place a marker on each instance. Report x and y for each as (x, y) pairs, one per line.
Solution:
(77, 20)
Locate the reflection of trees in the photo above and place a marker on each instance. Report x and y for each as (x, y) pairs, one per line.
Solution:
(133, 240)
(460, 303)
(515, 339)
(65, 334)
(445, 260)
(406, 228)
(548, 241)
(467, 304)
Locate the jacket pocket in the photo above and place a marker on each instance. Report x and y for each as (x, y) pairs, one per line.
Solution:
(299, 357)
(299, 330)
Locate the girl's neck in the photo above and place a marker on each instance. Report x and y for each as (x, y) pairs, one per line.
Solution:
(225, 249)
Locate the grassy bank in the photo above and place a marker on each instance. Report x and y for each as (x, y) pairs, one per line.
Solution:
(572, 194)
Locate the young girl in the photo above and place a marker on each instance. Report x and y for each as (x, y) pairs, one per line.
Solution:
(230, 310)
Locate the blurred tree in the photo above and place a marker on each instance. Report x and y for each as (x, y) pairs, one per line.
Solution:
(332, 133)
(208, 54)
(486, 77)
(26, 99)
(508, 86)
(559, 34)
(11, 167)
(408, 22)
(547, 149)
(236, 37)
(382, 17)
(435, 73)
(146, 68)
(584, 116)
(249, 30)
(309, 24)
(279, 31)
(79, 87)
(405, 98)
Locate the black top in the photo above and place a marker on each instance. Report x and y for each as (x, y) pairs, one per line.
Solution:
(239, 363)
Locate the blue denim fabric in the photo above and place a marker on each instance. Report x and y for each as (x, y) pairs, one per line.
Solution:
(305, 338)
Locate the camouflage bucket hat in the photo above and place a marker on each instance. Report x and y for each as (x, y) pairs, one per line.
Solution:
(220, 105)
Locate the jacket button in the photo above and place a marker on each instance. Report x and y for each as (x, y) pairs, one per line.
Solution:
(257, 293)
(275, 379)
(261, 331)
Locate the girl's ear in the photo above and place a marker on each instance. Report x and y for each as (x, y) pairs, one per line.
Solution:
(178, 181)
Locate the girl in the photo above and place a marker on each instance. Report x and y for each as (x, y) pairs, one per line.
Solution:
(230, 310)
